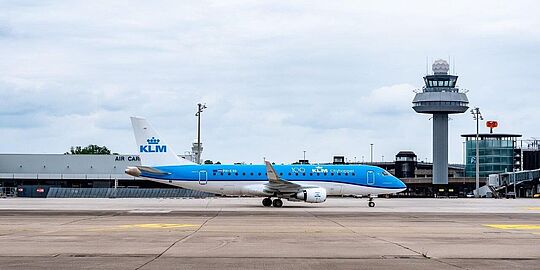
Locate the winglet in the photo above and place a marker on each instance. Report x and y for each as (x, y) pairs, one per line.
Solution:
(271, 173)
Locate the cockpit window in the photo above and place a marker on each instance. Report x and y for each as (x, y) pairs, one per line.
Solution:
(385, 173)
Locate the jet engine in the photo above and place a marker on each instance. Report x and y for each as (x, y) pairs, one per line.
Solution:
(312, 195)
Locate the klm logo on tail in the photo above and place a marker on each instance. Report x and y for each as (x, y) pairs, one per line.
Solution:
(152, 146)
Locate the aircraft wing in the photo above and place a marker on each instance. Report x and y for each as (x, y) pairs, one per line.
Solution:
(276, 184)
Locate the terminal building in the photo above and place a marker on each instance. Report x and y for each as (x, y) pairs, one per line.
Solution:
(33, 175)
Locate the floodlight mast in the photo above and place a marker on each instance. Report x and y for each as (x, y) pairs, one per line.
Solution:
(200, 109)
(477, 115)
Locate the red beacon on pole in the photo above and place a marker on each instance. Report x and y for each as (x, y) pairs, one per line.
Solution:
(491, 125)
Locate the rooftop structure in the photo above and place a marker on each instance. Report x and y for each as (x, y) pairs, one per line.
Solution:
(440, 96)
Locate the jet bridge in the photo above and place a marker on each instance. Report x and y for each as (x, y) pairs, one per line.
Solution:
(504, 183)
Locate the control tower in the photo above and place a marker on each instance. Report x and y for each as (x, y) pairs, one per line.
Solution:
(440, 97)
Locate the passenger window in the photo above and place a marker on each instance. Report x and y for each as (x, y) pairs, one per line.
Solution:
(289, 173)
(221, 173)
(339, 174)
(229, 173)
(259, 173)
(296, 174)
(280, 173)
(251, 173)
(346, 174)
(214, 173)
(332, 174)
(324, 173)
(318, 174)
(235, 173)
(243, 173)
(304, 174)
(353, 174)
(310, 174)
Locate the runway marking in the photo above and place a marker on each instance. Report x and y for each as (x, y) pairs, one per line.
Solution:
(149, 211)
(145, 226)
(514, 226)
(533, 208)
(158, 226)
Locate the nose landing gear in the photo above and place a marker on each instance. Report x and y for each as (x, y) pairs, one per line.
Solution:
(371, 203)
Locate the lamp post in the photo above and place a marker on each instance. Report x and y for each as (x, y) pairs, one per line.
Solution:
(371, 145)
(477, 116)
(201, 107)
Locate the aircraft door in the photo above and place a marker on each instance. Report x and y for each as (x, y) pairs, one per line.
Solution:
(203, 178)
(370, 178)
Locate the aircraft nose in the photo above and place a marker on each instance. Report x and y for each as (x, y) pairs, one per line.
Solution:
(400, 183)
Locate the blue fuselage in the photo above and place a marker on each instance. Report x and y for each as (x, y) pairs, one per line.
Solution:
(356, 175)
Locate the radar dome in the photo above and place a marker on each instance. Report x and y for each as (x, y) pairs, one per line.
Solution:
(440, 66)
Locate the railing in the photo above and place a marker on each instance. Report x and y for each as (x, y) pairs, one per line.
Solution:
(125, 193)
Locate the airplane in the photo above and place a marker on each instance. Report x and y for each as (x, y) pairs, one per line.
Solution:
(303, 182)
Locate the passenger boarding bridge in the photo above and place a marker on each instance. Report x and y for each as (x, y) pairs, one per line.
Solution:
(518, 184)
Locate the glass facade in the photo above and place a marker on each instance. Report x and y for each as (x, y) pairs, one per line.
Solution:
(496, 155)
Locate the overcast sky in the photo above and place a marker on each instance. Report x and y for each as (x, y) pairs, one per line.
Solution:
(327, 77)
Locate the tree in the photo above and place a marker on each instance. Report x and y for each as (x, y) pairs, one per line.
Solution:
(91, 149)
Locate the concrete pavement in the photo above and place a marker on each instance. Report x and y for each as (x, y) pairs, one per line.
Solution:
(238, 233)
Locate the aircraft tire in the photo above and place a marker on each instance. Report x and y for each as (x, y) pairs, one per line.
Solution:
(371, 204)
(277, 203)
(267, 202)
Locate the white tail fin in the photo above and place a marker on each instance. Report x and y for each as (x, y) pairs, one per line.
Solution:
(152, 148)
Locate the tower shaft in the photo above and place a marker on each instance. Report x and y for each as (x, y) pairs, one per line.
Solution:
(440, 148)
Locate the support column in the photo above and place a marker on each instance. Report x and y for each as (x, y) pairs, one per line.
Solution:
(440, 149)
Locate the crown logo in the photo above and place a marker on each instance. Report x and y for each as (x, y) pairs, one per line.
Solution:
(152, 141)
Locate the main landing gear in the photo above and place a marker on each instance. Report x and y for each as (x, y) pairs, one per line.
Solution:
(267, 202)
(371, 203)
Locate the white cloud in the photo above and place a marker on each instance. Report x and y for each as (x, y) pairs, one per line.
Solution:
(278, 77)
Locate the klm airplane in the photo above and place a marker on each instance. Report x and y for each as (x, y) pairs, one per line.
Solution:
(306, 183)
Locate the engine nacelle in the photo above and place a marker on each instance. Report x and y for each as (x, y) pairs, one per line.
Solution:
(312, 195)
